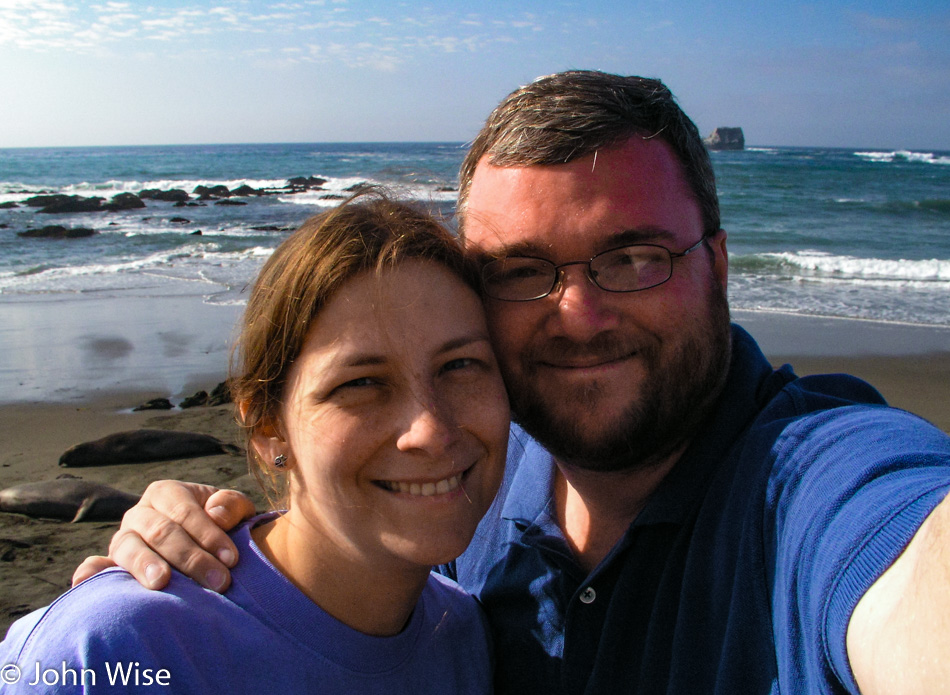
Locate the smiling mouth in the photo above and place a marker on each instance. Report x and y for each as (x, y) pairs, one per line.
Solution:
(429, 489)
(605, 361)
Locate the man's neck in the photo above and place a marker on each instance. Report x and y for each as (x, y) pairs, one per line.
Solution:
(594, 509)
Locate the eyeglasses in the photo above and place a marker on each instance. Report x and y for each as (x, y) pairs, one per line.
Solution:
(624, 269)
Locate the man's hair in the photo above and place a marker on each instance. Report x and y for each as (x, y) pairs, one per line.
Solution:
(368, 234)
(569, 115)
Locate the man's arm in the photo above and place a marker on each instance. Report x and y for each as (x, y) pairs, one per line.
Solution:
(181, 524)
(899, 634)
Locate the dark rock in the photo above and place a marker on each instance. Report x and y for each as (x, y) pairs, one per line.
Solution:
(197, 232)
(446, 189)
(245, 190)
(155, 404)
(41, 201)
(228, 201)
(205, 193)
(726, 139)
(357, 187)
(56, 231)
(125, 201)
(73, 203)
(8, 205)
(179, 220)
(333, 196)
(220, 395)
(200, 398)
(270, 228)
(306, 182)
(175, 195)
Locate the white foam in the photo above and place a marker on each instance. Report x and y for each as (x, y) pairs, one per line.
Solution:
(905, 155)
(201, 263)
(850, 267)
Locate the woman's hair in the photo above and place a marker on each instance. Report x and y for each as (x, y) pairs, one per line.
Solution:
(369, 233)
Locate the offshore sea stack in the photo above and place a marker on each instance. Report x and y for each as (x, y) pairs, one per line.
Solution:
(726, 139)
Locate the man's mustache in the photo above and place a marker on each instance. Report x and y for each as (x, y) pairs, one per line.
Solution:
(603, 347)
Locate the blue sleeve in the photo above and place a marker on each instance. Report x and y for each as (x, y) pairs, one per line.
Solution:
(849, 489)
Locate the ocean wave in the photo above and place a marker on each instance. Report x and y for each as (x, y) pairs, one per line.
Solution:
(329, 193)
(929, 205)
(202, 263)
(905, 156)
(819, 265)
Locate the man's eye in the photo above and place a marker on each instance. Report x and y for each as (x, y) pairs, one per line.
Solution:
(522, 273)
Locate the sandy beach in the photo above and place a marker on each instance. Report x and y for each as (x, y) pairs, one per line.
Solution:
(59, 403)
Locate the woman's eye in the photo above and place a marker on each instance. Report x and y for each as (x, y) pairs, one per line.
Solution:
(358, 383)
(460, 363)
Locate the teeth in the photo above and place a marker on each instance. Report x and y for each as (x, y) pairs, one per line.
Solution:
(423, 489)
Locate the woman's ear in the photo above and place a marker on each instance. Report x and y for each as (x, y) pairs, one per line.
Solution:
(266, 438)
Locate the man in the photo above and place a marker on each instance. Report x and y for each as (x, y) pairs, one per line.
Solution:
(696, 522)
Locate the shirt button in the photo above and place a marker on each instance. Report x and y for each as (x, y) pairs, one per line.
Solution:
(588, 595)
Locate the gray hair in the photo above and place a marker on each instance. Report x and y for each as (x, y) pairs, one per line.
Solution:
(568, 115)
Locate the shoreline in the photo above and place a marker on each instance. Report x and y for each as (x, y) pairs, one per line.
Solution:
(72, 348)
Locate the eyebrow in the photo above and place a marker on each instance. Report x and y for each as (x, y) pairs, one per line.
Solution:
(367, 359)
(463, 341)
(641, 235)
(638, 235)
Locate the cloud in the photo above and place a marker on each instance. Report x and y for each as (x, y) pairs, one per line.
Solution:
(345, 34)
(879, 24)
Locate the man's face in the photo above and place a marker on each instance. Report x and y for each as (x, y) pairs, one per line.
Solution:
(606, 381)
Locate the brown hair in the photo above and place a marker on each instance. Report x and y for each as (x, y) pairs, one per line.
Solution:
(572, 114)
(370, 232)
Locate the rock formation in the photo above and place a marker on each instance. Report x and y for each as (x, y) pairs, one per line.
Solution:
(726, 139)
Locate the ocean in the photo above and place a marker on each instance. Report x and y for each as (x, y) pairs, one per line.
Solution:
(857, 233)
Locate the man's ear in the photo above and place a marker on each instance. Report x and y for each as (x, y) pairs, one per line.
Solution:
(717, 242)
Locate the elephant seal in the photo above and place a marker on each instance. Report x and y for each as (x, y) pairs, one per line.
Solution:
(67, 498)
(142, 446)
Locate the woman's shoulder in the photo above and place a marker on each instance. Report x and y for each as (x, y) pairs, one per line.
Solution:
(113, 612)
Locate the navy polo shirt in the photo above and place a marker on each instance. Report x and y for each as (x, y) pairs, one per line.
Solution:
(740, 573)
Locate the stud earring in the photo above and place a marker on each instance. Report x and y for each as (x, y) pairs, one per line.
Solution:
(280, 462)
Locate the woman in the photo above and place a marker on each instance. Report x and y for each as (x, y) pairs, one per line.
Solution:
(371, 398)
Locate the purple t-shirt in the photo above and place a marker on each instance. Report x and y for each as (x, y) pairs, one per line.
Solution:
(262, 635)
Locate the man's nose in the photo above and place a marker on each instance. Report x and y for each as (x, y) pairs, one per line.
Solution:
(583, 309)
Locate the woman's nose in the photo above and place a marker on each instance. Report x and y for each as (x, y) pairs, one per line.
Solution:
(431, 428)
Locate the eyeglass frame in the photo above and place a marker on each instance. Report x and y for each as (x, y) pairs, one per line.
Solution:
(559, 275)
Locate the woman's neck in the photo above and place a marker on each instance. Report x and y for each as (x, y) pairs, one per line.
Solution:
(371, 599)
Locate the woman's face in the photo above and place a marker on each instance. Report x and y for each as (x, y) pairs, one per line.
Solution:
(395, 419)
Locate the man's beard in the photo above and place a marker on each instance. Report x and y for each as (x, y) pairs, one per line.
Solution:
(675, 398)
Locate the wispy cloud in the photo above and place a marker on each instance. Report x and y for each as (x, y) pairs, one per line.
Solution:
(311, 30)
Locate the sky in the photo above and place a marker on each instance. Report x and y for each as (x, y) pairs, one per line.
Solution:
(828, 73)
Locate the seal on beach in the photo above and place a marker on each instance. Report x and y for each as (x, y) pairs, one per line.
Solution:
(142, 446)
(67, 498)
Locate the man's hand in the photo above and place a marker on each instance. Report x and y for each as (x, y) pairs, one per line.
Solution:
(179, 524)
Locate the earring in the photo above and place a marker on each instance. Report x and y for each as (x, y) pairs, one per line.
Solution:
(280, 462)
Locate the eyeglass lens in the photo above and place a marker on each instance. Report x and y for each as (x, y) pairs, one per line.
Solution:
(626, 269)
